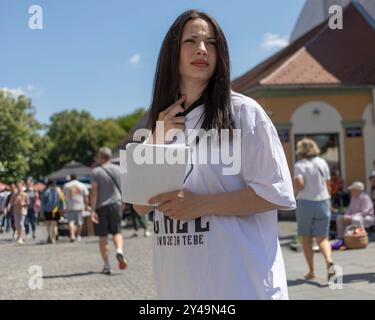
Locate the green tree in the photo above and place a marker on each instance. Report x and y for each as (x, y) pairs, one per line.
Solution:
(76, 135)
(18, 129)
(129, 121)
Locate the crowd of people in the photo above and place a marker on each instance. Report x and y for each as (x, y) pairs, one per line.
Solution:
(318, 192)
(19, 210)
(22, 206)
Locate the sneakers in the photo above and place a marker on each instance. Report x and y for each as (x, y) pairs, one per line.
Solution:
(122, 264)
(78, 238)
(147, 234)
(20, 241)
(107, 271)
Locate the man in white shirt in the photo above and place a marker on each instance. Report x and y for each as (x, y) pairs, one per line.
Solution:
(77, 197)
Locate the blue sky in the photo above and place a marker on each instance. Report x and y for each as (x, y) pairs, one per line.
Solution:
(100, 55)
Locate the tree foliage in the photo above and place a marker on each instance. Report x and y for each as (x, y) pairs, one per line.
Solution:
(129, 121)
(28, 148)
(18, 129)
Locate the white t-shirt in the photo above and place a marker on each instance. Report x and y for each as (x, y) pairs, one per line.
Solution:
(228, 257)
(75, 192)
(315, 173)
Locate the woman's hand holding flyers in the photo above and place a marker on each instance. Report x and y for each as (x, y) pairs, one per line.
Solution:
(181, 205)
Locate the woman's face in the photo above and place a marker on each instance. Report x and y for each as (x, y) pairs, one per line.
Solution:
(198, 51)
(355, 193)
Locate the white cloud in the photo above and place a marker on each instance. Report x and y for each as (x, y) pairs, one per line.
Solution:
(135, 59)
(13, 92)
(271, 41)
(29, 91)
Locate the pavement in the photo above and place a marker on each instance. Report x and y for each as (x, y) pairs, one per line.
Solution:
(37, 270)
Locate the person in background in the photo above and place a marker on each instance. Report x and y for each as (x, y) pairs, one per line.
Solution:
(19, 203)
(77, 199)
(360, 211)
(311, 183)
(9, 217)
(51, 205)
(106, 208)
(31, 215)
(136, 218)
(4, 195)
(372, 181)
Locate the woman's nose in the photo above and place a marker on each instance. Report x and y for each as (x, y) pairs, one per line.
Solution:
(201, 48)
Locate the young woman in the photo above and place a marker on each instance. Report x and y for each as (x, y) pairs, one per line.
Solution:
(218, 237)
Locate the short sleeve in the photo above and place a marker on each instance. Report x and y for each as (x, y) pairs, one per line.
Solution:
(298, 170)
(85, 190)
(94, 176)
(327, 173)
(264, 166)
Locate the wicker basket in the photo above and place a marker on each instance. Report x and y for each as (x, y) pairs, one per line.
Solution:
(357, 241)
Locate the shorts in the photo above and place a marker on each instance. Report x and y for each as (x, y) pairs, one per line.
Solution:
(110, 217)
(75, 216)
(49, 216)
(19, 221)
(313, 217)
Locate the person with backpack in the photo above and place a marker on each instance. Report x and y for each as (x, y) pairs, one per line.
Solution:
(106, 208)
(51, 206)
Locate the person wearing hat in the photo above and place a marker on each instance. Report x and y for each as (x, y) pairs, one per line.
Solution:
(360, 211)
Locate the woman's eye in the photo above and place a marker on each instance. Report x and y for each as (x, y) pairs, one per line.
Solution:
(212, 43)
(189, 40)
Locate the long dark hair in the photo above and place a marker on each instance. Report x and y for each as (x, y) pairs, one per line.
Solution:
(217, 113)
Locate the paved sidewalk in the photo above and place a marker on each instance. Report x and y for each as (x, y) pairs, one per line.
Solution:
(71, 270)
(358, 267)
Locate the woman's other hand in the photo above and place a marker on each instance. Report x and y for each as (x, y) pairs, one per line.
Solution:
(181, 205)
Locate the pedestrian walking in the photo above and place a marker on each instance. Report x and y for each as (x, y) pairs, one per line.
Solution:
(106, 206)
(30, 219)
(312, 181)
(51, 206)
(372, 182)
(19, 203)
(77, 199)
(137, 219)
(4, 196)
(217, 238)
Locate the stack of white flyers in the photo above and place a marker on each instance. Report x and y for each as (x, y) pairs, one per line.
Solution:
(151, 169)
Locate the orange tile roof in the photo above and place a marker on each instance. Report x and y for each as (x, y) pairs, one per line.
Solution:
(321, 57)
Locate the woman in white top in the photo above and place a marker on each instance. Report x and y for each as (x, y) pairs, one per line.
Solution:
(311, 181)
(218, 237)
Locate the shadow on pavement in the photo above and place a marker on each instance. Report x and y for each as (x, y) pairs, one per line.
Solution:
(71, 275)
(286, 240)
(298, 282)
(359, 277)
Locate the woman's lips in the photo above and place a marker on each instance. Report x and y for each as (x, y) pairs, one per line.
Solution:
(200, 64)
